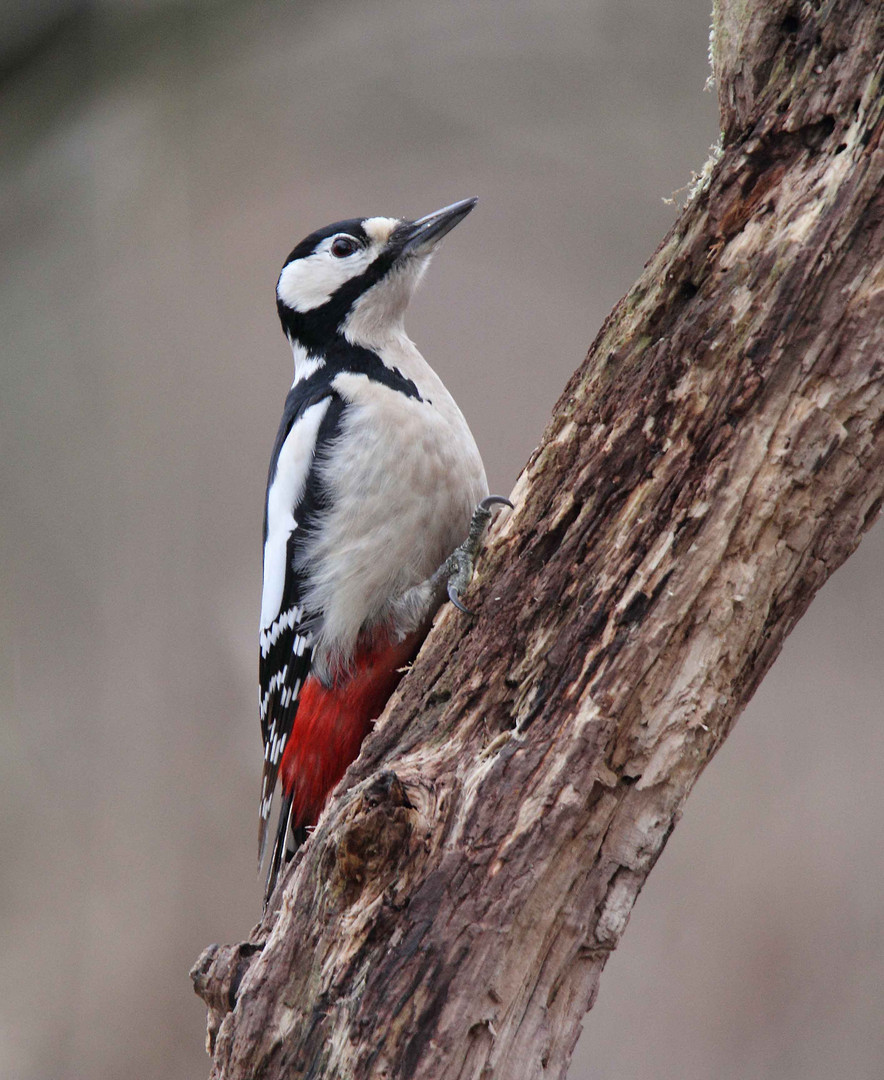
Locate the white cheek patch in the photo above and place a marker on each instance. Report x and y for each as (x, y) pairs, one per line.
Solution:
(308, 283)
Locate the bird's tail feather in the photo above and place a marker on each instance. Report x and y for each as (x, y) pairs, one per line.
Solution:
(287, 842)
(279, 844)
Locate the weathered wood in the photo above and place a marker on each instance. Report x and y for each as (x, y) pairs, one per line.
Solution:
(715, 458)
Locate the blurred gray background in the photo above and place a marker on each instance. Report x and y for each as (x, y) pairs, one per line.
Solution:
(159, 160)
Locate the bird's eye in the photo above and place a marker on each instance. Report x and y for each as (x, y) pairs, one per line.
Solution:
(342, 246)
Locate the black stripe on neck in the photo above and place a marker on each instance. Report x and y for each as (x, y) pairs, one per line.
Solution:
(314, 329)
(344, 356)
(340, 356)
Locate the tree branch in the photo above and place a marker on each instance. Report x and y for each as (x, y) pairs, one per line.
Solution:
(715, 458)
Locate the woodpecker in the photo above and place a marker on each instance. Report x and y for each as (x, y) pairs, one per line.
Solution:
(374, 480)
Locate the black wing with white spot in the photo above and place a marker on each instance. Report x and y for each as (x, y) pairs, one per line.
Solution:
(293, 502)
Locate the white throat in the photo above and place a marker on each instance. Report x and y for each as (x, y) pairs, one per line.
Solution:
(377, 318)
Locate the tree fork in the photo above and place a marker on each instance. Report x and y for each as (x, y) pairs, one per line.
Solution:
(717, 456)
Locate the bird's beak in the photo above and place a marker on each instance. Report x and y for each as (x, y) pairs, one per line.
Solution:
(426, 232)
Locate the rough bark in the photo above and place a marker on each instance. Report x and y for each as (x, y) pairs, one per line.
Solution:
(716, 457)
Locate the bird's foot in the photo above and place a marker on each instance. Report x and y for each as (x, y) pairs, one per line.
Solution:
(458, 567)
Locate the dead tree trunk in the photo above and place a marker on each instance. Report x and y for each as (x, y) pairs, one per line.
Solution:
(715, 458)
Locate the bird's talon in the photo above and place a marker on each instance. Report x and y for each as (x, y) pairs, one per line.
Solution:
(460, 563)
(454, 598)
(495, 500)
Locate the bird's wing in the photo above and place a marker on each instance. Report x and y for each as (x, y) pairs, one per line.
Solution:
(294, 499)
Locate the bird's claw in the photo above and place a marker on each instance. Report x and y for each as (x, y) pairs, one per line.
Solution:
(494, 500)
(460, 562)
(453, 597)
(459, 571)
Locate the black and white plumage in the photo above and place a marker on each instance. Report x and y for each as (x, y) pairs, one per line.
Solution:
(373, 481)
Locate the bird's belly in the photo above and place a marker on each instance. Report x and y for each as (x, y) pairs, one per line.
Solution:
(402, 482)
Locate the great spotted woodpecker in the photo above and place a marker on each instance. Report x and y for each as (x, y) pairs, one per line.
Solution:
(374, 479)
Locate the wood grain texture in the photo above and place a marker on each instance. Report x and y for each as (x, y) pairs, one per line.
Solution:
(717, 456)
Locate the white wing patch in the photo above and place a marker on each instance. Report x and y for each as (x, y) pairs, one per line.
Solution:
(285, 492)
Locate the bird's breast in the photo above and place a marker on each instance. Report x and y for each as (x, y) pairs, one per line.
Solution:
(402, 480)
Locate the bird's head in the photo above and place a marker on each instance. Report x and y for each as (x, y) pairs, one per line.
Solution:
(355, 278)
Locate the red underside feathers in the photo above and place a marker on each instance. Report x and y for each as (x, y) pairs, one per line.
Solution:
(331, 723)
